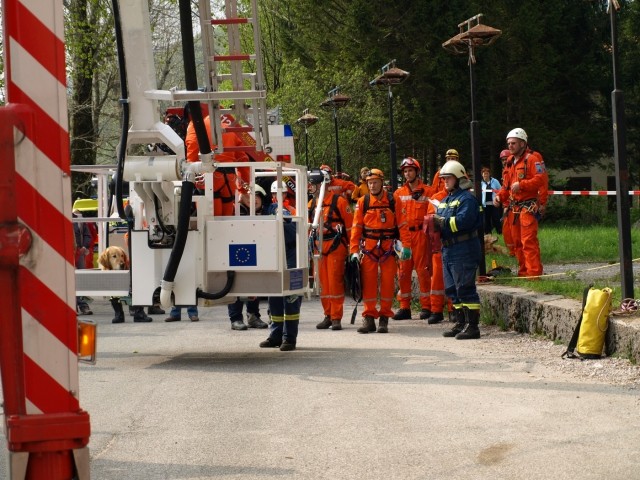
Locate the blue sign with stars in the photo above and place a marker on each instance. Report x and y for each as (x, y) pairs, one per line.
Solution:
(245, 255)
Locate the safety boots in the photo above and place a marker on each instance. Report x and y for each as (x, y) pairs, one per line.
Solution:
(425, 313)
(403, 314)
(325, 323)
(435, 317)
(117, 309)
(460, 319)
(383, 325)
(471, 330)
(368, 325)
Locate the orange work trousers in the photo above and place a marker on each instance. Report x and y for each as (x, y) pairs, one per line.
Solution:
(224, 194)
(331, 272)
(370, 268)
(524, 232)
(437, 283)
(506, 233)
(420, 261)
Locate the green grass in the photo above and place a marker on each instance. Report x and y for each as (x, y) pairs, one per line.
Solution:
(567, 245)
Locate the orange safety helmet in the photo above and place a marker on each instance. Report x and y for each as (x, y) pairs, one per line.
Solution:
(410, 162)
(375, 173)
(505, 153)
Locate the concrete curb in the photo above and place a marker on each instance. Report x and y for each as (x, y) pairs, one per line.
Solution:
(555, 317)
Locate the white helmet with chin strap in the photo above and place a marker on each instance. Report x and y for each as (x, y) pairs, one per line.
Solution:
(517, 133)
(274, 187)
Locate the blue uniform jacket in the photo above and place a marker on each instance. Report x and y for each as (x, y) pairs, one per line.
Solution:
(461, 213)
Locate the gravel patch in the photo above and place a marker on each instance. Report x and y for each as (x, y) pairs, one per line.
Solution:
(608, 370)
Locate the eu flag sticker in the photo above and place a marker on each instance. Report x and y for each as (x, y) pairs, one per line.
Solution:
(244, 255)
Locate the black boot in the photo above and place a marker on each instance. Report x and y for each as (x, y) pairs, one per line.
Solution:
(383, 326)
(403, 314)
(435, 317)
(117, 309)
(425, 313)
(155, 310)
(368, 325)
(139, 315)
(471, 330)
(460, 319)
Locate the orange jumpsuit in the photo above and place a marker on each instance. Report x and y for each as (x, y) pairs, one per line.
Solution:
(374, 233)
(360, 190)
(506, 225)
(341, 187)
(529, 172)
(337, 220)
(437, 191)
(224, 183)
(411, 208)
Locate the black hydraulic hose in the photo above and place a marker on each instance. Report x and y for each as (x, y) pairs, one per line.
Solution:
(190, 76)
(184, 216)
(231, 275)
(124, 123)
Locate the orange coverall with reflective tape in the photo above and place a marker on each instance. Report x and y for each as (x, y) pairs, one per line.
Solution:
(529, 172)
(224, 184)
(374, 233)
(337, 218)
(411, 208)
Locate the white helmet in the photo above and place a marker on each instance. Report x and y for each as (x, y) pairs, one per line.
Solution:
(274, 187)
(517, 133)
(453, 168)
(260, 191)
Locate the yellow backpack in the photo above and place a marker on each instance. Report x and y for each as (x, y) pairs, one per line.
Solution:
(589, 334)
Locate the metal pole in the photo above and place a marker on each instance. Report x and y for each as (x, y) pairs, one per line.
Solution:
(392, 146)
(622, 170)
(338, 158)
(475, 157)
(306, 146)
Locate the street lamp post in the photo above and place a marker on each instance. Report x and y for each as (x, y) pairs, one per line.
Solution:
(335, 101)
(473, 34)
(622, 169)
(306, 120)
(391, 75)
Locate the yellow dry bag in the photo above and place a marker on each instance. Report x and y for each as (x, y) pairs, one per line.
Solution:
(589, 334)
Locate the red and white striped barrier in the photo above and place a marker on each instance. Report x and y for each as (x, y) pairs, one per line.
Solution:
(584, 193)
(598, 193)
(47, 419)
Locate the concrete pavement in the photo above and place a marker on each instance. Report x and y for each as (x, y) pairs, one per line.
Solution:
(199, 401)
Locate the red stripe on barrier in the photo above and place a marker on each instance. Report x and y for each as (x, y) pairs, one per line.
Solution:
(50, 137)
(48, 309)
(38, 40)
(44, 219)
(44, 392)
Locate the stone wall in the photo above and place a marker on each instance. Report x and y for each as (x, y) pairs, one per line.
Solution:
(555, 317)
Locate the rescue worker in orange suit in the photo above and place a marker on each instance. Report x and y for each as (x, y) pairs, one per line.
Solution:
(362, 188)
(337, 218)
(506, 227)
(438, 192)
(339, 185)
(458, 218)
(525, 179)
(225, 181)
(412, 205)
(373, 235)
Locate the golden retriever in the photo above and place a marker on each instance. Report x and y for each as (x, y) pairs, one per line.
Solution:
(113, 258)
(490, 245)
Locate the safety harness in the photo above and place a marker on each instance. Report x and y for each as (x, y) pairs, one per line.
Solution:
(337, 234)
(379, 234)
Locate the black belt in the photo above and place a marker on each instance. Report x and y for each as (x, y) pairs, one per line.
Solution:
(460, 238)
(415, 229)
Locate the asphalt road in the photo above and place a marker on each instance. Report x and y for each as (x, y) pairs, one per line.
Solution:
(199, 401)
